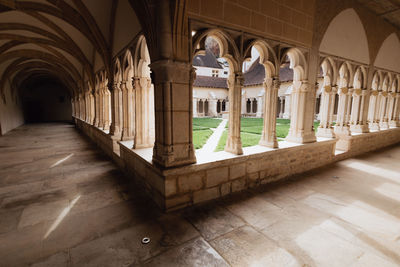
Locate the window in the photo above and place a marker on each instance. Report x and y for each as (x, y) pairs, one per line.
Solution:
(215, 73)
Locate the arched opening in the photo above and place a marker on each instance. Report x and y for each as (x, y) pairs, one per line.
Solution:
(45, 99)
(345, 99)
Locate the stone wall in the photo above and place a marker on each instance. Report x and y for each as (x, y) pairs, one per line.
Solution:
(179, 187)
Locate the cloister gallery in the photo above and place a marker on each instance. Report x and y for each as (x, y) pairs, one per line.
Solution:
(132, 75)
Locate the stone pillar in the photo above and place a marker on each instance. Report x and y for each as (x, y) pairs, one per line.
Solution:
(73, 106)
(390, 113)
(357, 122)
(128, 111)
(142, 136)
(116, 110)
(92, 108)
(173, 89)
(233, 142)
(97, 109)
(383, 120)
(327, 104)
(268, 136)
(342, 125)
(81, 107)
(106, 109)
(282, 108)
(194, 107)
(395, 117)
(101, 108)
(373, 111)
(298, 133)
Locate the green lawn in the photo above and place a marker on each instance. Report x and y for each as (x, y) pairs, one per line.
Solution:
(251, 129)
(201, 130)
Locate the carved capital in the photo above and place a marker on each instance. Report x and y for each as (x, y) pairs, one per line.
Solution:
(239, 79)
(343, 90)
(357, 91)
(327, 89)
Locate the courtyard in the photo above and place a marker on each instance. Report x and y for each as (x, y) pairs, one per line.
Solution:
(250, 131)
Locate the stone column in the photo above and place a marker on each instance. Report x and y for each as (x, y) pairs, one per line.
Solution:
(327, 104)
(97, 109)
(390, 104)
(173, 89)
(383, 120)
(92, 108)
(194, 107)
(235, 85)
(268, 136)
(357, 123)
(373, 111)
(73, 106)
(282, 103)
(81, 107)
(297, 131)
(142, 136)
(101, 108)
(395, 121)
(116, 110)
(128, 110)
(286, 114)
(106, 109)
(342, 125)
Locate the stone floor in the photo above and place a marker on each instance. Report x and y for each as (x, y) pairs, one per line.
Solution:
(63, 203)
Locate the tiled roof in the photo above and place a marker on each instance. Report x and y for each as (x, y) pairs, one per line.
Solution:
(256, 74)
(208, 60)
(214, 82)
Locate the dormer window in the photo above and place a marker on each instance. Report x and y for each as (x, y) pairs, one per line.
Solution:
(215, 73)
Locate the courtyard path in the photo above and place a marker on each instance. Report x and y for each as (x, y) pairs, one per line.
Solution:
(212, 142)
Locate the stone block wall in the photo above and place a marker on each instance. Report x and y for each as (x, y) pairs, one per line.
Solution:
(179, 187)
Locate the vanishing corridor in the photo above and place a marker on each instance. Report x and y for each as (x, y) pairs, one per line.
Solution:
(63, 203)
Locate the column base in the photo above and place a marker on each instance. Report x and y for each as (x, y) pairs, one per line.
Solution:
(358, 128)
(326, 132)
(301, 138)
(384, 125)
(234, 146)
(173, 156)
(374, 126)
(394, 124)
(342, 131)
(271, 144)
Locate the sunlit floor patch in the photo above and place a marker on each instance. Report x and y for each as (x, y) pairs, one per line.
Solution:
(61, 160)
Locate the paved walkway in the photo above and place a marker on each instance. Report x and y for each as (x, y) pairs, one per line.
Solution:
(212, 142)
(63, 203)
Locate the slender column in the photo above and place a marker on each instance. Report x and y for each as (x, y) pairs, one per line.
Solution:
(73, 106)
(142, 136)
(195, 107)
(297, 131)
(243, 102)
(282, 103)
(234, 143)
(128, 110)
(87, 107)
(101, 108)
(357, 123)
(390, 113)
(373, 111)
(81, 107)
(173, 89)
(92, 110)
(383, 120)
(106, 108)
(268, 136)
(342, 125)
(97, 109)
(116, 110)
(395, 121)
(325, 128)
(286, 114)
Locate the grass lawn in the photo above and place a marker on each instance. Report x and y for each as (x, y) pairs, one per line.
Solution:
(251, 129)
(201, 130)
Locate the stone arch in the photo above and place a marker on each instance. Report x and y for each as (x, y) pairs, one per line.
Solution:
(267, 57)
(227, 46)
(360, 80)
(377, 81)
(329, 71)
(345, 75)
(127, 66)
(117, 71)
(387, 82)
(388, 56)
(298, 63)
(346, 37)
(142, 59)
(395, 84)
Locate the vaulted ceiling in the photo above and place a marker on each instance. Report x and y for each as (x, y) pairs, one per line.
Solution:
(68, 39)
(387, 9)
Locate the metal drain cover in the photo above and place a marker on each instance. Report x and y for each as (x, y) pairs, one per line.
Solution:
(146, 240)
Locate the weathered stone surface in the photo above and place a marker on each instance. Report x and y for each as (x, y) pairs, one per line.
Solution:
(217, 176)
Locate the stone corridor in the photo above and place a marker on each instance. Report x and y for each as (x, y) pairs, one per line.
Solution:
(63, 203)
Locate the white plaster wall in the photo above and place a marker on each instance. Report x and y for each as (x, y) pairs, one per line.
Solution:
(389, 54)
(252, 92)
(345, 37)
(11, 115)
(204, 93)
(204, 71)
